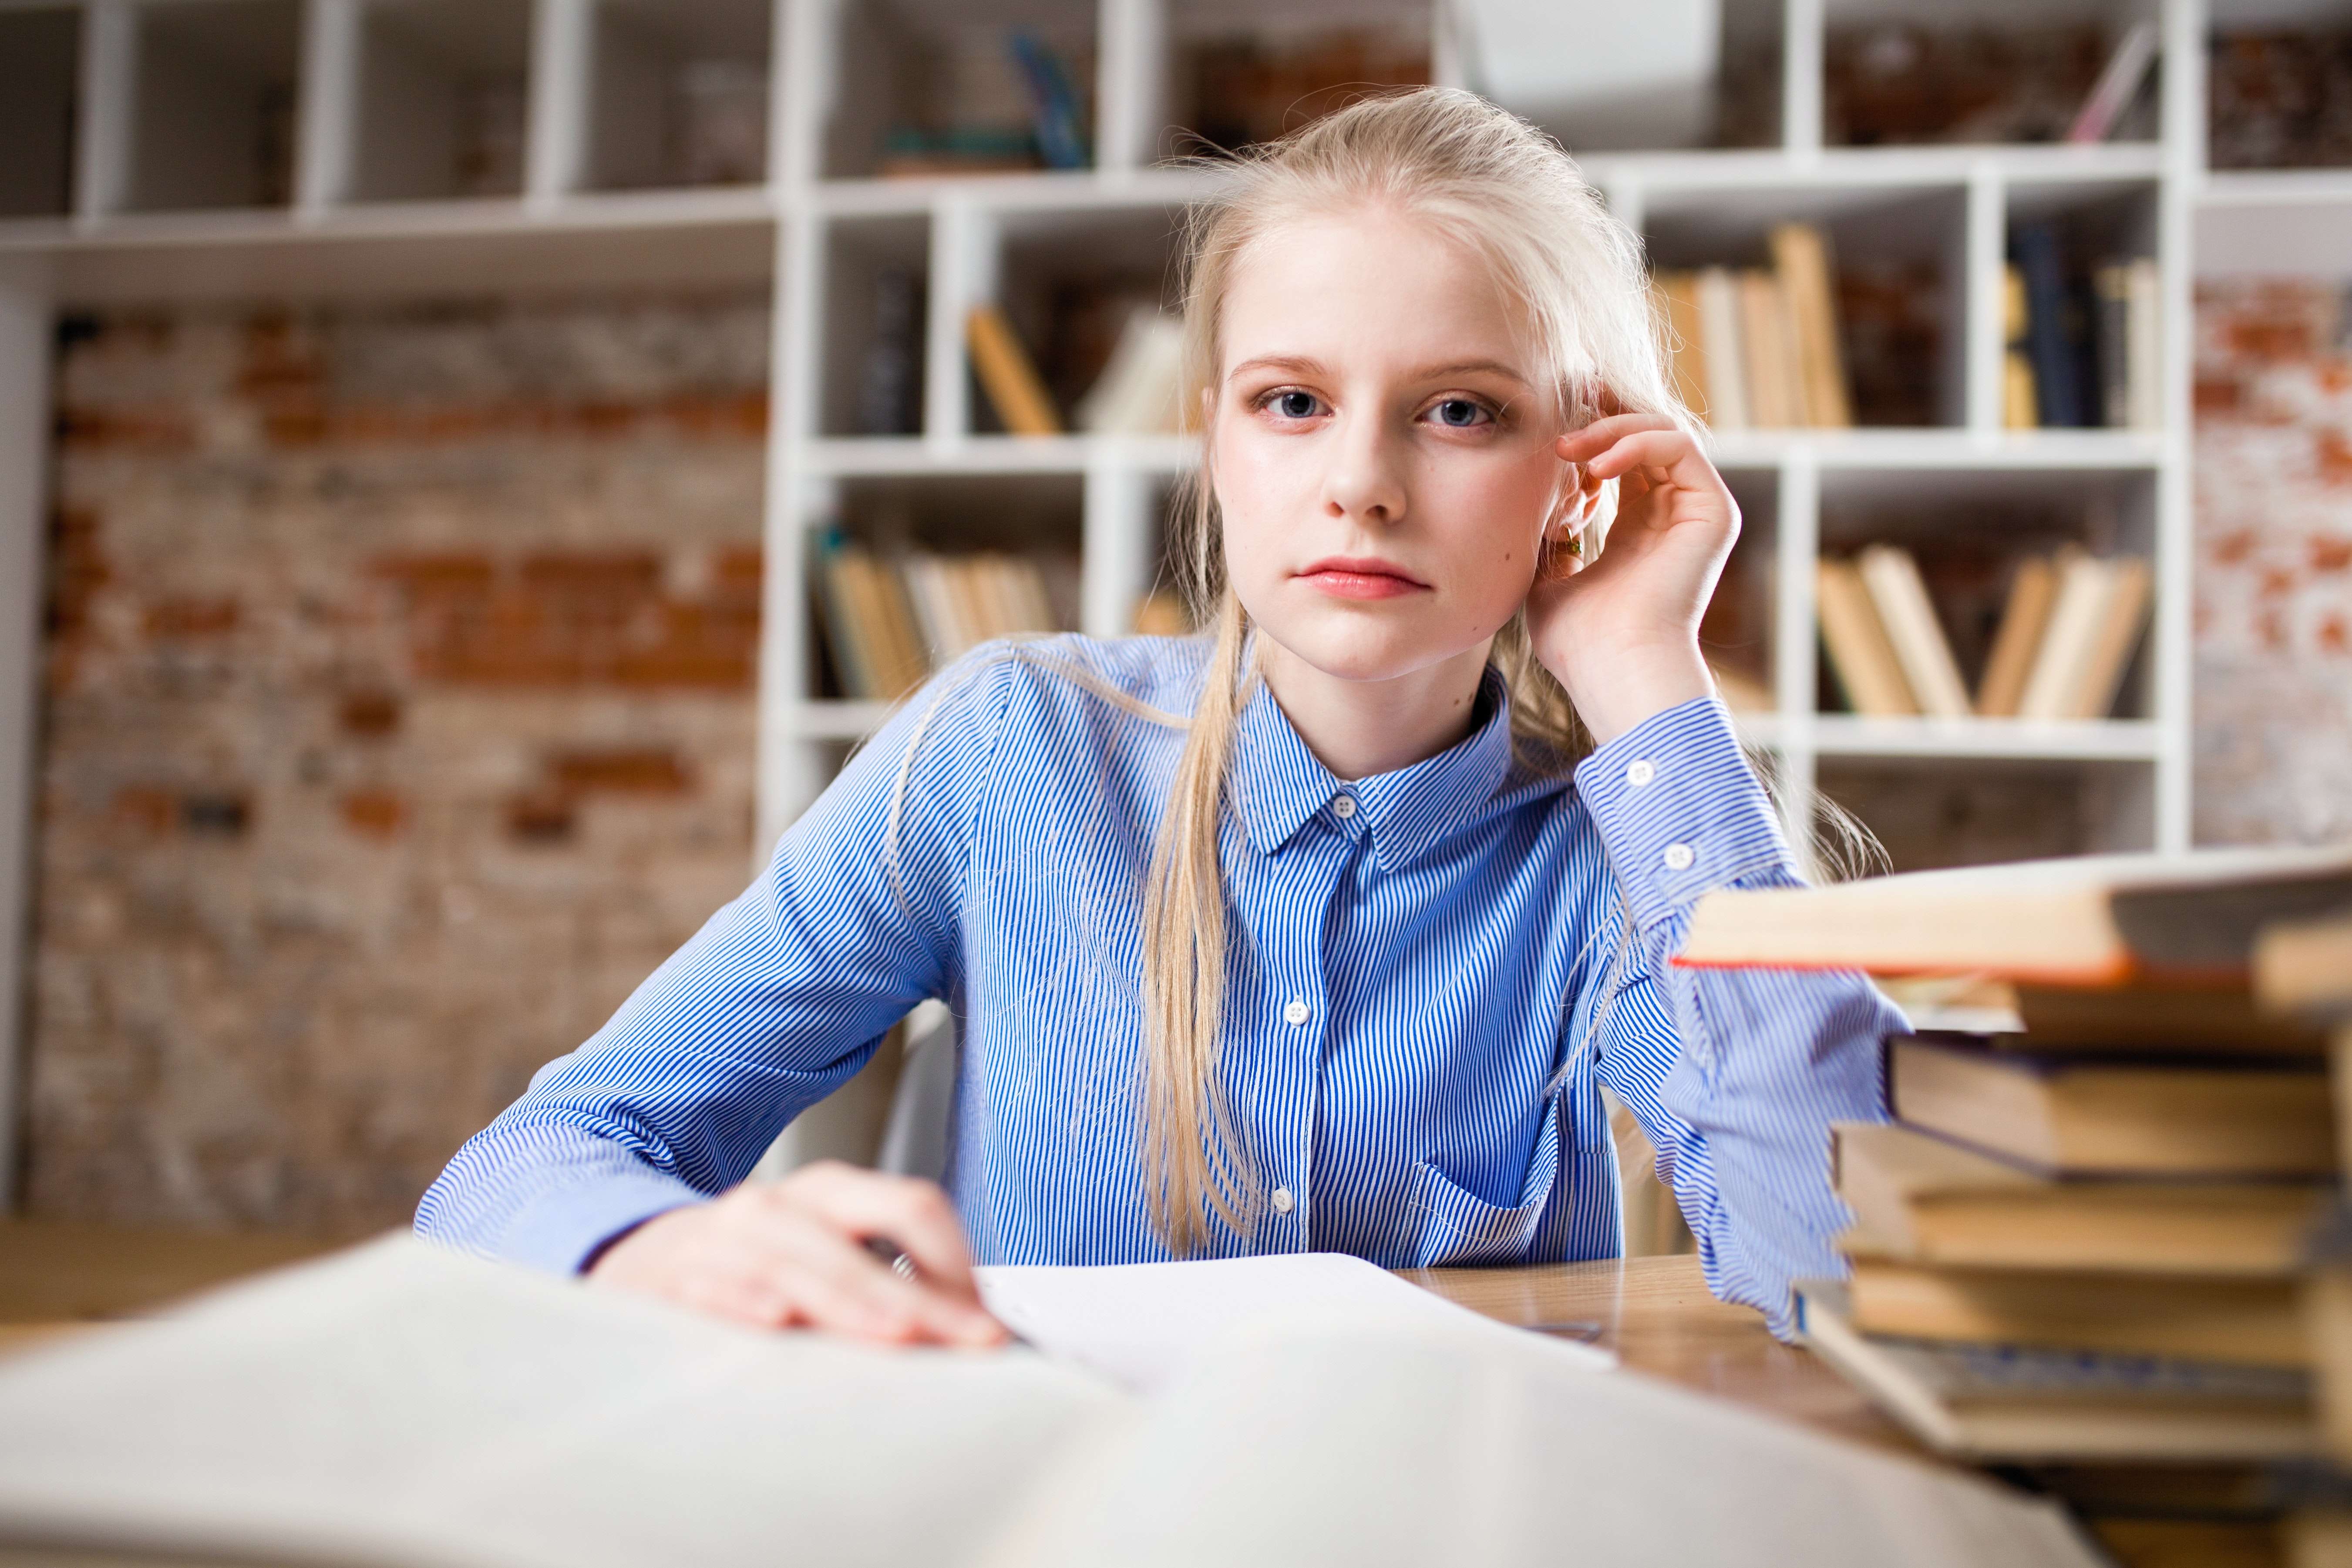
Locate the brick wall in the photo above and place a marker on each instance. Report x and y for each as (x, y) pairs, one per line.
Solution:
(399, 722)
(2273, 572)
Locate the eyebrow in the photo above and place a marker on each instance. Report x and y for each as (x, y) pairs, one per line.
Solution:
(1302, 365)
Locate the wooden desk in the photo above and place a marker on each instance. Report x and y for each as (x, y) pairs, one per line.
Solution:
(1656, 1314)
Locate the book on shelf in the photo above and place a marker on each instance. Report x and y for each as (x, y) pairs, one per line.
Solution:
(1138, 391)
(2020, 410)
(2101, 1115)
(1927, 1199)
(1759, 348)
(2126, 67)
(1861, 656)
(1001, 99)
(2024, 619)
(2084, 347)
(889, 623)
(1008, 374)
(1920, 647)
(2099, 608)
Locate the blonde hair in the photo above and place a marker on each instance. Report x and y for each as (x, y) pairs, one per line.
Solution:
(1511, 195)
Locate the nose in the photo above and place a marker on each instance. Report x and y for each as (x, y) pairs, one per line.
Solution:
(1366, 478)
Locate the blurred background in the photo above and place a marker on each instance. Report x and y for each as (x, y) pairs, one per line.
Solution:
(470, 469)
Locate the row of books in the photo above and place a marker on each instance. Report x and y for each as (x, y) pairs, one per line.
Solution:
(890, 622)
(1135, 394)
(1010, 102)
(2066, 636)
(1758, 349)
(2090, 1233)
(2081, 351)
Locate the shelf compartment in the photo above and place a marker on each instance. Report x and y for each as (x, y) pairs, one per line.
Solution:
(1713, 83)
(40, 61)
(1948, 72)
(1938, 811)
(443, 99)
(1035, 519)
(2059, 238)
(1970, 531)
(679, 94)
(1066, 282)
(876, 316)
(1899, 278)
(2276, 80)
(213, 105)
(924, 87)
(1234, 78)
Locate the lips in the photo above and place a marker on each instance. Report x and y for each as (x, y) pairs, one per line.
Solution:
(1361, 577)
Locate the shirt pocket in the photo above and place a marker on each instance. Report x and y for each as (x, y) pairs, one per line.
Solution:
(1455, 1226)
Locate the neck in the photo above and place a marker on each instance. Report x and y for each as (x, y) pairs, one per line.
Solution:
(1358, 728)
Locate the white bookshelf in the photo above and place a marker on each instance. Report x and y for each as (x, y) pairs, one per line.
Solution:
(141, 203)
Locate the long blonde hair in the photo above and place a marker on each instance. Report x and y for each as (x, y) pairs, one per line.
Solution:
(1512, 196)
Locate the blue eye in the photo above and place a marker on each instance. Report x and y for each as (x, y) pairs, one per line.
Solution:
(1458, 411)
(1295, 405)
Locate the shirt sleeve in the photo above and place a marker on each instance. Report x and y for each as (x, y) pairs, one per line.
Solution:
(1736, 1074)
(780, 996)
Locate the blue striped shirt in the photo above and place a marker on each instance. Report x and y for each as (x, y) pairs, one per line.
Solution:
(1431, 972)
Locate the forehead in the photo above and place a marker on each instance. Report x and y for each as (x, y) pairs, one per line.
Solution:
(1371, 287)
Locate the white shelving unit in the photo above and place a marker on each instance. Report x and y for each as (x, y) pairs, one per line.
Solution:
(141, 202)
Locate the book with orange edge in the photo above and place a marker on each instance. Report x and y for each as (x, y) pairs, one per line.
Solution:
(2187, 920)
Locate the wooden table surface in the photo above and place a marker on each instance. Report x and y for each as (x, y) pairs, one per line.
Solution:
(1656, 1314)
(1653, 1313)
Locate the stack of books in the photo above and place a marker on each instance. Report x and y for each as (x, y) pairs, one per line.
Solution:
(890, 621)
(1758, 349)
(2066, 637)
(2084, 1236)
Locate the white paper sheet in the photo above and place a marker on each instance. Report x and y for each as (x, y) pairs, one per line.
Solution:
(1139, 1323)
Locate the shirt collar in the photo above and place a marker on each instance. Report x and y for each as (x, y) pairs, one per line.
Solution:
(1279, 786)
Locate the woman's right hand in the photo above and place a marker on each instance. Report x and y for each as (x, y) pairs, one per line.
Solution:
(794, 1254)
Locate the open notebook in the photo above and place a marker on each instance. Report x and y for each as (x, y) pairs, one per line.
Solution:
(399, 1408)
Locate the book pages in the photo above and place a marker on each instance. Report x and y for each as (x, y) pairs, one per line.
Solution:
(1374, 1447)
(1141, 1323)
(399, 1404)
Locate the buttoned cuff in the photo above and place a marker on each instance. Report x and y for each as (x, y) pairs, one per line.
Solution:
(1679, 811)
(561, 1230)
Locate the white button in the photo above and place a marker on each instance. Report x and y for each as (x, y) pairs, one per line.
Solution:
(1639, 774)
(1344, 805)
(1296, 1012)
(1679, 857)
(1281, 1200)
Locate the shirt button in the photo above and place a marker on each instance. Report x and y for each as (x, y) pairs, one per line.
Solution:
(1281, 1200)
(1344, 806)
(1679, 857)
(1638, 773)
(1296, 1012)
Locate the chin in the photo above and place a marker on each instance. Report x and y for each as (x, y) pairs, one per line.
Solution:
(1360, 653)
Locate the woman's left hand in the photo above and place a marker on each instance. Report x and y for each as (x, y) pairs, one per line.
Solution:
(1620, 632)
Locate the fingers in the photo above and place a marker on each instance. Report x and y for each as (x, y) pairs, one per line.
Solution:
(795, 1253)
(915, 1214)
(1579, 446)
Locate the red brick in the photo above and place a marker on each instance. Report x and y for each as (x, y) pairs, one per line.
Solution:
(2335, 456)
(2218, 394)
(149, 808)
(620, 771)
(543, 816)
(380, 814)
(191, 618)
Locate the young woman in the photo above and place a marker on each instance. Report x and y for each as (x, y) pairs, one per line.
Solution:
(1318, 932)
